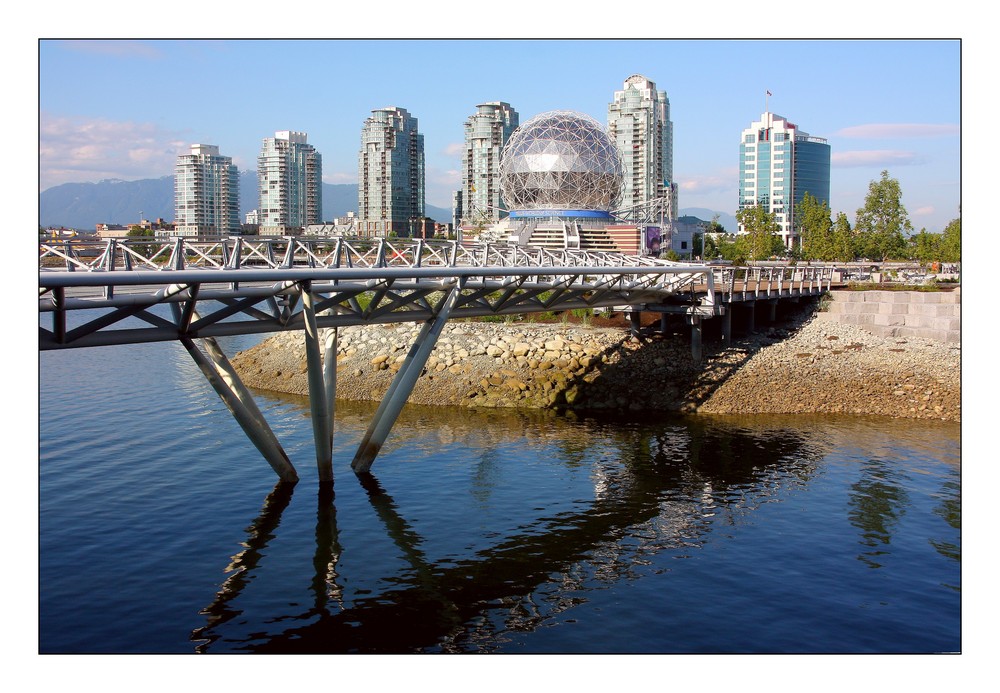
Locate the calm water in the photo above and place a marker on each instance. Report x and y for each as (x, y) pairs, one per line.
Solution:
(163, 530)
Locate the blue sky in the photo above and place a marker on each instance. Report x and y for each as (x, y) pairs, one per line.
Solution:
(126, 108)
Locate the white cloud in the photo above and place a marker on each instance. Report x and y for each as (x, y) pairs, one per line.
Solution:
(923, 211)
(455, 149)
(441, 183)
(874, 157)
(899, 130)
(339, 177)
(78, 150)
(704, 185)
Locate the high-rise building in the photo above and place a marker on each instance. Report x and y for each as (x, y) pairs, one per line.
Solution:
(486, 133)
(390, 174)
(290, 179)
(779, 164)
(639, 123)
(206, 193)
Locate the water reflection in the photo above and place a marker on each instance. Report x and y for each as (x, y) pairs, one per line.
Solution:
(655, 489)
(878, 502)
(259, 534)
(949, 509)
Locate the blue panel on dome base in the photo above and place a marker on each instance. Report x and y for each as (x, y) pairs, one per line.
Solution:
(578, 213)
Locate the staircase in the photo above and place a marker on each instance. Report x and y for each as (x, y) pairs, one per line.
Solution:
(548, 235)
(597, 240)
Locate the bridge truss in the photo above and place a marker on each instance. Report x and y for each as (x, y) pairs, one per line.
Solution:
(146, 290)
(241, 286)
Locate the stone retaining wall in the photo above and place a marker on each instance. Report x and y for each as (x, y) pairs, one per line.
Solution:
(933, 315)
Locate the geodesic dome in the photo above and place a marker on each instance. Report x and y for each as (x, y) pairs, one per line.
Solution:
(561, 160)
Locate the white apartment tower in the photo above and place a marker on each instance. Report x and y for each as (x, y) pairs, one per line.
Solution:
(639, 123)
(290, 179)
(390, 174)
(486, 133)
(206, 193)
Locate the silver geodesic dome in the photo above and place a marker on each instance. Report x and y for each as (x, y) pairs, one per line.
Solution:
(561, 160)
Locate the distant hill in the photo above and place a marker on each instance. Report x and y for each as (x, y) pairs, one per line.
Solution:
(728, 221)
(84, 205)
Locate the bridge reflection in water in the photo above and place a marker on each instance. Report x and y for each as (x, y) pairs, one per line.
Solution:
(663, 488)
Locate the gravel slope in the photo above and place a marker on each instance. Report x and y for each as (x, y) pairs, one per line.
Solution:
(803, 366)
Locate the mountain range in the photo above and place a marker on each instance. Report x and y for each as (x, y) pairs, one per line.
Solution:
(84, 205)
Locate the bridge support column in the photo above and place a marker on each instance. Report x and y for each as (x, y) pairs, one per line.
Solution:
(635, 321)
(727, 325)
(401, 387)
(322, 421)
(751, 314)
(696, 329)
(223, 377)
(330, 372)
(772, 307)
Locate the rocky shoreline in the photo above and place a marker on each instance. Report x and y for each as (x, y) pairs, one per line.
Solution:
(804, 365)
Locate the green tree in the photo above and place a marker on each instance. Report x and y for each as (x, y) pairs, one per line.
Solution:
(706, 244)
(761, 239)
(711, 248)
(881, 224)
(951, 241)
(842, 240)
(731, 249)
(925, 247)
(138, 232)
(815, 229)
(714, 226)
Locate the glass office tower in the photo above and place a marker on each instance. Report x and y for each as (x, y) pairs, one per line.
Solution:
(779, 164)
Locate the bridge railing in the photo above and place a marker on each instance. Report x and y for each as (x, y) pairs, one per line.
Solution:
(769, 281)
(241, 252)
(296, 251)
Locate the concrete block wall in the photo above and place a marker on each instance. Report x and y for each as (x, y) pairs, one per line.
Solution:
(931, 315)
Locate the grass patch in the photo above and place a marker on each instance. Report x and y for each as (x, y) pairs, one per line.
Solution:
(872, 286)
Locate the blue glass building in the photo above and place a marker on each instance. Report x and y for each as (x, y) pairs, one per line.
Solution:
(779, 164)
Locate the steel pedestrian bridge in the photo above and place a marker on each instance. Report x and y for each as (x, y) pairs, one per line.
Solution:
(201, 290)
